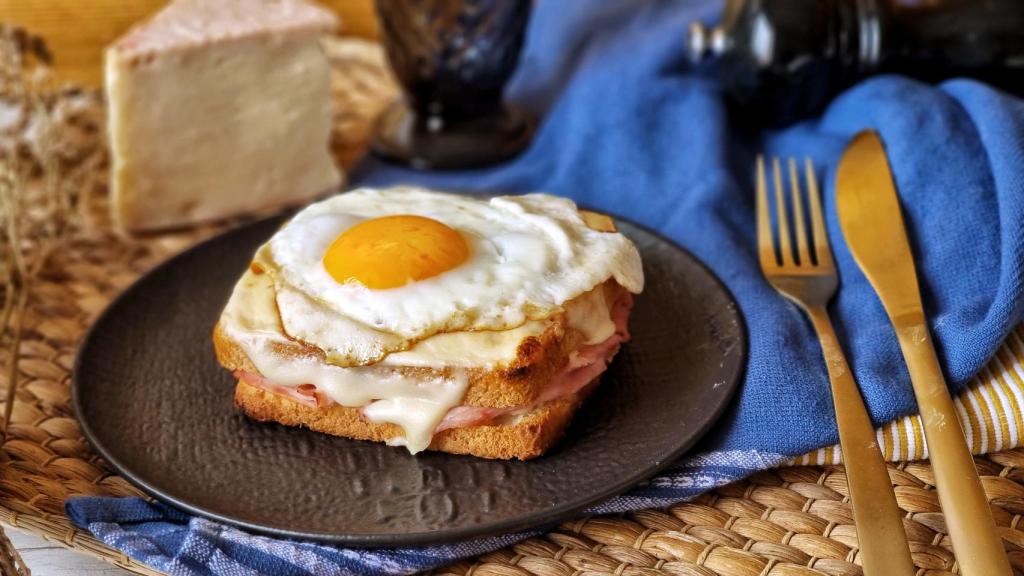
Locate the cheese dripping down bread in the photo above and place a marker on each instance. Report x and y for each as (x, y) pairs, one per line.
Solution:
(427, 319)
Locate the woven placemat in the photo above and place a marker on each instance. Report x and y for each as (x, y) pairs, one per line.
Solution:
(787, 522)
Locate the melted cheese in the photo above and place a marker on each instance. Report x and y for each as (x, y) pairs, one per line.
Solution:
(588, 314)
(415, 403)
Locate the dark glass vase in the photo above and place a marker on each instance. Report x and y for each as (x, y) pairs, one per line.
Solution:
(452, 58)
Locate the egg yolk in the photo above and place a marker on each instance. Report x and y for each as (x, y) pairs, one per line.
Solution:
(392, 251)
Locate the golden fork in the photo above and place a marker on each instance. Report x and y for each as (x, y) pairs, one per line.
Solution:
(810, 283)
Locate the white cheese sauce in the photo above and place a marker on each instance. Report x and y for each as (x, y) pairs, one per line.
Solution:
(416, 403)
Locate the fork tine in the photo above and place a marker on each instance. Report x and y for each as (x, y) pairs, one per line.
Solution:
(785, 247)
(821, 247)
(798, 215)
(764, 223)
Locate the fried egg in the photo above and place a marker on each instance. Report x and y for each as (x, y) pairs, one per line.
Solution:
(373, 271)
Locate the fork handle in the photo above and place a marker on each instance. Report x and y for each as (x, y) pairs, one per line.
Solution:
(879, 522)
(976, 542)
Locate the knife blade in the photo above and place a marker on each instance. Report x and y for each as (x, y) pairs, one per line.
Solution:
(872, 223)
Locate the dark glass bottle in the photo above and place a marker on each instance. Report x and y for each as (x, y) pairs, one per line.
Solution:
(781, 60)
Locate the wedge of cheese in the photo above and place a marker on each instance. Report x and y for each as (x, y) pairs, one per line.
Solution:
(216, 108)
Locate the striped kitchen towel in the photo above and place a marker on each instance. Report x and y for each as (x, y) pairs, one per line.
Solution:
(991, 409)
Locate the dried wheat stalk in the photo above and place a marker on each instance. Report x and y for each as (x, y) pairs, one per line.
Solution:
(51, 150)
(50, 153)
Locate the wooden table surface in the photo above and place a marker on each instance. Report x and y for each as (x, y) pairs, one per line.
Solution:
(50, 559)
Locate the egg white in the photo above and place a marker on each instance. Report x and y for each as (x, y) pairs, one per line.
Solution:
(528, 255)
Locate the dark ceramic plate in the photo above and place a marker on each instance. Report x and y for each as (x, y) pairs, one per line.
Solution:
(153, 401)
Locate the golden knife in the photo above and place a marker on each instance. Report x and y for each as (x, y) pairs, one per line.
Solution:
(869, 213)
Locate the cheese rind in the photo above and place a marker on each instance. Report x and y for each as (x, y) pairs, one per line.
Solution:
(200, 23)
(206, 127)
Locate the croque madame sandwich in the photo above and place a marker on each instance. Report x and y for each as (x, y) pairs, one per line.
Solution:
(431, 320)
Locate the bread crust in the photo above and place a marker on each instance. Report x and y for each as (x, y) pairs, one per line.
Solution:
(530, 436)
(518, 383)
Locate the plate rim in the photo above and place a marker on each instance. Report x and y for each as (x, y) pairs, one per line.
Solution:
(530, 523)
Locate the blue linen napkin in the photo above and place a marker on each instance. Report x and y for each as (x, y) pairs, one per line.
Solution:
(628, 130)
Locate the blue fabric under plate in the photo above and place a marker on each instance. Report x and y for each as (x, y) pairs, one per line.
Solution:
(628, 130)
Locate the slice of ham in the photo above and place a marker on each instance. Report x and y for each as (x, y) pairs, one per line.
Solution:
(466, 416)
(583, 367)
(305, 394)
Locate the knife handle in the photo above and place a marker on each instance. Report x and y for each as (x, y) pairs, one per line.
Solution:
(880, 533)
(978, 547)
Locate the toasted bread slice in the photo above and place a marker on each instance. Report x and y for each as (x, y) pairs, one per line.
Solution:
(517, 383)
(527, 437)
